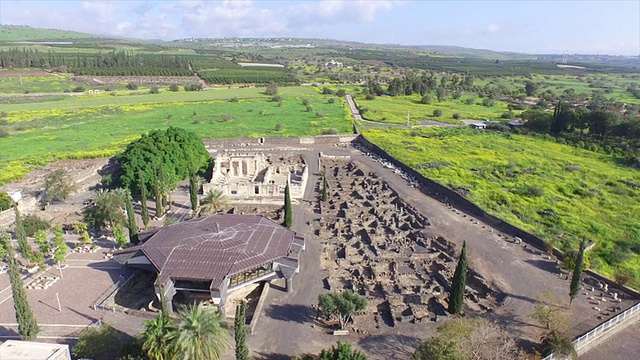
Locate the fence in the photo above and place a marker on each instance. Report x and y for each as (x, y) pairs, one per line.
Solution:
(583, 343)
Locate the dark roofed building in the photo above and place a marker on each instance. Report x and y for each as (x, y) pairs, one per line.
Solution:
(217, 254)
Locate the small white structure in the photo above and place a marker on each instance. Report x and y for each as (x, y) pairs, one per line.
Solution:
(332, 64)
(253, 177)
(28, 350)
(479, 126)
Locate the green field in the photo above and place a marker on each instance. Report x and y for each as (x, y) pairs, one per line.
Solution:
(22, 111)
(23, 33)
(39, 137)
(393, 109)
(555, 191)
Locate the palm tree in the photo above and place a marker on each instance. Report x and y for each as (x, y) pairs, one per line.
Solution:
(213, 201)
(200, 334)
(157, 338)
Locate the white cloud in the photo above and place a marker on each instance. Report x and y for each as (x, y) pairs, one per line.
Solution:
(493, 29)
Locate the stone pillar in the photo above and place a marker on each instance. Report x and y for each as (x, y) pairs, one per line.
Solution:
(289, 284)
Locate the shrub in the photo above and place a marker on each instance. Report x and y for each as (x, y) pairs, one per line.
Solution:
(32, 224)
(456, 116)
(488, 102)
(327, 91)
(234, 100)
(78, 89)
(305, 102)
(370, 97)
(331, 101)
(469, 101)
(3, 133)
(174, 87)
(132, 86)
(309, 108)
(193, 87)
(154, 90)
(319, 114)
(276, 98)
(341, 93)
(6, 201)
(426, 100)
(456, 95)
(278, 127)
(437, 113)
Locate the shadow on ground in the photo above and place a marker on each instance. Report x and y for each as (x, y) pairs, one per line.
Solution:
(270, 356)
(298, 313)
(390, 346)
(546, 265)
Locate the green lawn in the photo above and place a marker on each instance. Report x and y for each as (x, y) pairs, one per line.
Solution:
(104, 131)
(556, 191)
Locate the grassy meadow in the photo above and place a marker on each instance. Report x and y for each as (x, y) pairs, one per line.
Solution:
(39, 136)
(556, 191)
(393, 109)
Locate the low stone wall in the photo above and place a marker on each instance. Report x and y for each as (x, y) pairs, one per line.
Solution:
(284, 141)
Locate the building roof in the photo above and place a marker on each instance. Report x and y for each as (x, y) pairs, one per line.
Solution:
(28, 350)
(214, 247)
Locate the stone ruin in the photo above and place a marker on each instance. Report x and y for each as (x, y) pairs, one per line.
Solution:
(256, 177)
(384, 249)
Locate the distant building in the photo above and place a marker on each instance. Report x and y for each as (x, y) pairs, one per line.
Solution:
(208, 258)
(28, 350)
(332, 64)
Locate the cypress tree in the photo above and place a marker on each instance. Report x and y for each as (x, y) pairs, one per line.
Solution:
(288, 216)
(27, 325)
(456, 296)
(131, 220)
(21, 235)
(239, 324)
(143, 196)
(157, 194)
(193, 191)
(574, 288)
(324, 186)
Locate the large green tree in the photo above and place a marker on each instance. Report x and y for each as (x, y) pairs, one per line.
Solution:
(240, 331)
(341, 352)
(436, 348)
(106, 208)
(341, 305)
(459, 282)
(176, 150)
(574, 287)
(143, 200)
(200, 333)
(288, 216)
(27, 325)
(97, 342)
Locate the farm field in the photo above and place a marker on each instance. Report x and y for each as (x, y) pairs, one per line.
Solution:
(393, 110)
(39, 137)
(556, 191)
(87, 101)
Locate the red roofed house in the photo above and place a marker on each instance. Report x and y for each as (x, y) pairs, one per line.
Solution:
(217, 254)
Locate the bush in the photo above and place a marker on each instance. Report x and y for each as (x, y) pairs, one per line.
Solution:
(278, 127)
(319, 114)
(331, 101)
(78, 89)
(276, 98)
(193, 87)
(174, 87)
(437, 113)
(488, 102)
(370, 97)
(33, 224)
(309, 108)
(469, 101)
(426, 100)
(456, 95)
(97, 342)
(3, 133)
(6, 202)
(305, 102)
(456, 116)
(327, 91)
(132, 86)
(234, 100)
(341, 93)
(154, 90)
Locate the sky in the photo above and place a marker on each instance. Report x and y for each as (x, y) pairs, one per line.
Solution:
(534, 26)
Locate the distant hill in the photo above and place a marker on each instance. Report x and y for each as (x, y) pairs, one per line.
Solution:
(13, 33)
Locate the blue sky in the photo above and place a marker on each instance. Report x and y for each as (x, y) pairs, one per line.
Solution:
(589, 27)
